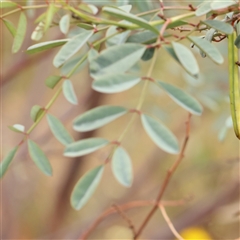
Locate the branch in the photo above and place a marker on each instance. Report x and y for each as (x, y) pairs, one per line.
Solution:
(124, 207)
(125, 218)
(169, 223)
(166, 180)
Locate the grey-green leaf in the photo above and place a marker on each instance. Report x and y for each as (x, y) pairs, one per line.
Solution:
(203, 8)
(220, 26)
(122, 167)
(237, 41)
(92, 54)
(69, 93)
(218, 4)
(39, 47)
(58, 130)
(39, 158)
(85, 187)
(98, 117)
(36, 112)
(20, 34)
(160, 134)
(182, 98)
(84, 147)
(64, 23)
(70, 48)
(52, 81)
(6, 161)
(10, 27)
(116, 59)
(17, 128)
(209, 49)
(130, 18)
(186, 58)
(114, 83)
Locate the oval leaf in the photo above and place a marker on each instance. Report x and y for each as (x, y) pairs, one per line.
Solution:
(92, 54)
(64, 23)
(182, 98)
(7, 4)
(70, 48)
(84, 147)
(203, 8)
(10, 27)
(218, 4)
(17, 128)
(39, 47)
(52, 81)
(114, 83)
(209, 49)
(6, 161)
(37, 34)
(186, 58)
(49, 16)
(97, 117)
(162, 137)
(122, 167)
(220, 26)
(36, 112)
(116, 59)
(85, 187)
(119, 13)
(68, 92)
(58, 130)
(39, 158)
(20, 34)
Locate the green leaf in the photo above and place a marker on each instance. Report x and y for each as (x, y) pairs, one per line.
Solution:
(70, 64)
(7, 4)
(70, 48)
(89, 8)
(118, 39)
(10, 27)
(160, 134)
(182, 98)
(39, 47)
(220, 26)
(49, 16)
(69, 93)
(20, 34)
(116, 59)
(84, 147)
(38, 33)
(186, 58)
(85, 26)
(170, 50)
(119, 13)
(85, 187)
(122, 167)
(6, 161)
(97, 117)
(148, 54)
(52, 81)
(36, 112)
(144, 37)
(39, 158)
(92, 54)
(203, 8)
(58, 130)
(64, 23)
(114, 83)
(237, 41)
(17, 128)
(218, 4)
(209, 49)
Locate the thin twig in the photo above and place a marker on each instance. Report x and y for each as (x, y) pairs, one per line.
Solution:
(124, 207)
(166, 180)
(125, 218)
(169, 223)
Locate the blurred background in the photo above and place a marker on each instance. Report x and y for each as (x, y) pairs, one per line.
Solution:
(203, 194)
